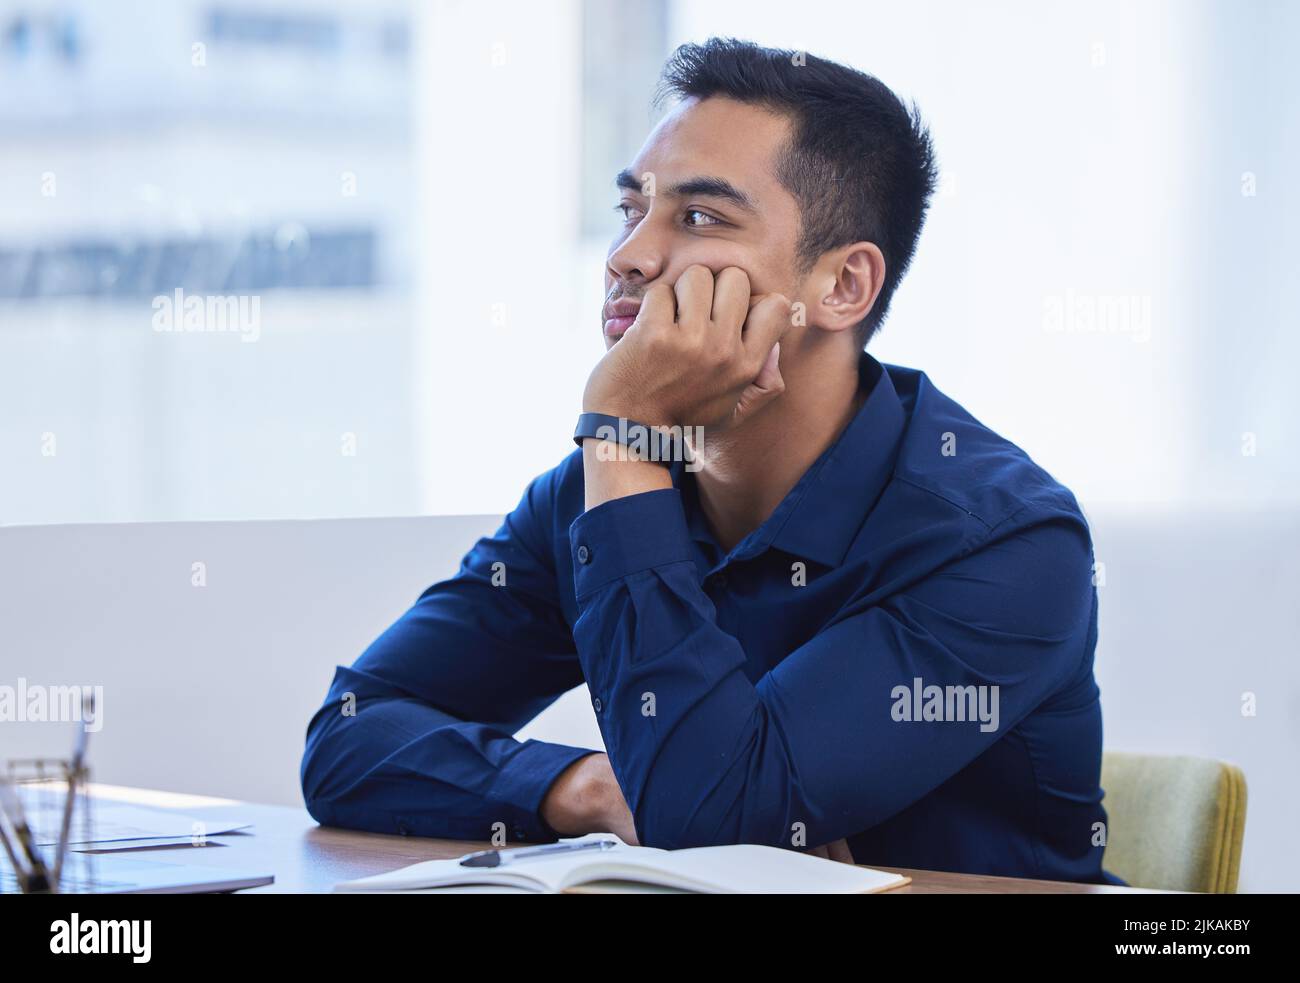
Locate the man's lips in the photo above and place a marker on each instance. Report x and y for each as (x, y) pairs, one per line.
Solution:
(615, 326)
(619, 317)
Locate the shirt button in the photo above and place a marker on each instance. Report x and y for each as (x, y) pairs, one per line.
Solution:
(596, 704)
(584, 554)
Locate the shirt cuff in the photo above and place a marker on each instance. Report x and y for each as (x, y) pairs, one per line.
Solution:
(524, 781)
(626, 535)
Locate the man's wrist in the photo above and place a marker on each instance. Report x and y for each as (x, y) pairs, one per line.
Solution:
(610, 473)
(585, 798)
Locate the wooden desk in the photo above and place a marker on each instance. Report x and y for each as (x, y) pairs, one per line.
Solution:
(308, 858)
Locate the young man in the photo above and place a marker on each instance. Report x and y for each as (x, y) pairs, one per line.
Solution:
(854, 621)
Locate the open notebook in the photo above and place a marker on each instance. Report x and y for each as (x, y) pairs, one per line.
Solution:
(736, 869)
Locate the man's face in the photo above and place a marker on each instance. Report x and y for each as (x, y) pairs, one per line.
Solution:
(702, 190)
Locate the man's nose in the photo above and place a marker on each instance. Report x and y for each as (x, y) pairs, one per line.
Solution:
(641, 257)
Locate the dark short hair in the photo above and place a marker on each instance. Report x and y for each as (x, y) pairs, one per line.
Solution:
(860, 163)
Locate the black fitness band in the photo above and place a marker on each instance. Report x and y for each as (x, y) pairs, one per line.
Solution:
(658, 447)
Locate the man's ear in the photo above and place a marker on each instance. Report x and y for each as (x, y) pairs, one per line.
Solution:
(843, 286)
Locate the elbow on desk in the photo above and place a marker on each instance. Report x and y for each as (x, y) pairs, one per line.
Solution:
(325, 794)
(317, 775)
(334, 757)
(340, 786)
(311, 772)
(319, 811)
(318, 805)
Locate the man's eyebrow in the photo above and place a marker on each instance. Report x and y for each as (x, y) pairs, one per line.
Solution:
(712, 187)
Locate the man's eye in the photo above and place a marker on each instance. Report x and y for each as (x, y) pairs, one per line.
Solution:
(708, 219)
(629, 212)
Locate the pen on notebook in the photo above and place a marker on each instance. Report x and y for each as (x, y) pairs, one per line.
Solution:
(498, 858)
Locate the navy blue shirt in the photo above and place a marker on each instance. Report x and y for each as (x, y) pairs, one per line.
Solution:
(901, 655)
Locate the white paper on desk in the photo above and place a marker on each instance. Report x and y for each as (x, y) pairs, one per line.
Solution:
(124, 825)
(741, 868)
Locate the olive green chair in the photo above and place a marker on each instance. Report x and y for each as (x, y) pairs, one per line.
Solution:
(1175, 823)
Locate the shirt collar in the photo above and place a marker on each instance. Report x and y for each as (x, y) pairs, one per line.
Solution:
(820, 516)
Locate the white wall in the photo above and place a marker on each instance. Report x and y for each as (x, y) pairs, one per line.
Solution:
(506, 339)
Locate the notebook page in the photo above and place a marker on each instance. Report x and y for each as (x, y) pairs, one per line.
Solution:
(445, 873)
(743, 868)
(537, 874)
